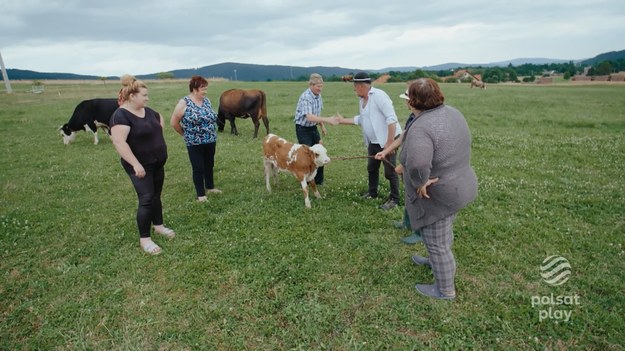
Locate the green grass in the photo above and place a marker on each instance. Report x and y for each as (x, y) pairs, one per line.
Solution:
(253, 270)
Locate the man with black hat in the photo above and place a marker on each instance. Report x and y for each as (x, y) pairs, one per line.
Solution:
(380, 127)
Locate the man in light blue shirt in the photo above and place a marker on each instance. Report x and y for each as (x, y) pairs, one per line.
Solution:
(308, 115)
(380, 127)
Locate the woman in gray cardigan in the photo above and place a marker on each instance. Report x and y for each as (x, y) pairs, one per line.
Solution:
(438, 180)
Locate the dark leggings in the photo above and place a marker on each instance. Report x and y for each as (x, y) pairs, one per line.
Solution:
(202, 159)
(149, 188)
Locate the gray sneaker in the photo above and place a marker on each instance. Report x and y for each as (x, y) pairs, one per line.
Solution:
(368, 195)
(413, 238)
(420, 260)
(431, 290)
(390, 204)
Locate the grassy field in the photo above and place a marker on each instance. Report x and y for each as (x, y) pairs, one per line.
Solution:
(251, 270)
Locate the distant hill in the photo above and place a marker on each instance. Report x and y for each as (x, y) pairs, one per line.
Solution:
(252, 72)
(515, 62)
(608, 56)
(20, 74)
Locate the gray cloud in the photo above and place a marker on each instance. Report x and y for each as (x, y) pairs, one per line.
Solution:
(115, 37)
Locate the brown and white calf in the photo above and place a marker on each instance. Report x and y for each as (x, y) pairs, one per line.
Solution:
(301, 160)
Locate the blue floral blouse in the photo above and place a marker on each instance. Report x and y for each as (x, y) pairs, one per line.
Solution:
(199, 123)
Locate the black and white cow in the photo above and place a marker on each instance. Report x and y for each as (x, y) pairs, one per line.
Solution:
(88, 116)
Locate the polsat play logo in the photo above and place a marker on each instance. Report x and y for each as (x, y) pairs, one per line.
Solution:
(555, 270)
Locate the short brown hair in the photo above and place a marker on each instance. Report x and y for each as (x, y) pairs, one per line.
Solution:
(425, 94)
(197, 82)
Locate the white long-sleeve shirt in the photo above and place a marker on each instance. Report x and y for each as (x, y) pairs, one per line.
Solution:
(376, 116)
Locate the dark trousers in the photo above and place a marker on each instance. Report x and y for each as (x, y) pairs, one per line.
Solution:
(373, 168)
(202, 159)
(149, 189)
(310, 136)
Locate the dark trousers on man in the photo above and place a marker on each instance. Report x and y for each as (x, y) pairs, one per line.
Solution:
(310, 136)
(373, 168)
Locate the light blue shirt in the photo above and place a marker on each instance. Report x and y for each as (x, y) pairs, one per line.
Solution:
(308, 103)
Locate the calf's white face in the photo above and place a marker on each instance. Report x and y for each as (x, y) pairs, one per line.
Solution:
(321, 155)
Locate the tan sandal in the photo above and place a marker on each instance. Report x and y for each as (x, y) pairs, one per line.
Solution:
(151, 248)
(166, 232)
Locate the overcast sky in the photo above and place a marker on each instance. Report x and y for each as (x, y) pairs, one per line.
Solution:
(114, 37)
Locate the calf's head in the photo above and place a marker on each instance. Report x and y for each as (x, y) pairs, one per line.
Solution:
(68, 135)
(321, 155)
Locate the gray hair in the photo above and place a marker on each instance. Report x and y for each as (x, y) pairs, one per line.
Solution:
(315, 78)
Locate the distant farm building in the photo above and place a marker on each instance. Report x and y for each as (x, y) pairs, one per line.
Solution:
(614, 77)
(545, 80)
(382, 79)
(601, 78)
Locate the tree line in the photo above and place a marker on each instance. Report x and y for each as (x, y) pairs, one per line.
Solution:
(527, 72)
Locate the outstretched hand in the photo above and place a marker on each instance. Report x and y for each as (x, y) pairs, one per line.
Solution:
(338, 118)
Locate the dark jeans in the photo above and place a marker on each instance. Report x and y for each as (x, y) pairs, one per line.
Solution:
(149, 189)
(202, 159)
(373, 168)
(310, 136)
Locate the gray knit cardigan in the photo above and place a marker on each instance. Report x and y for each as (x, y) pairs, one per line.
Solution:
(437, 144)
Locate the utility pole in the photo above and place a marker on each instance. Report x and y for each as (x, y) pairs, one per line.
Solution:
(5, 76)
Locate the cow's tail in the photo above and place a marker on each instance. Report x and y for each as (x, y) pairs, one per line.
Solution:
(263, 110)
(221, 118)
(263, 105)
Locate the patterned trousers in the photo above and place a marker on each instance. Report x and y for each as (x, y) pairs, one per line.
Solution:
(438, 238)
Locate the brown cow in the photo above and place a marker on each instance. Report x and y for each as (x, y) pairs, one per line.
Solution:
(242, 103)
(477, 83)
(301, 160)
(347, 78)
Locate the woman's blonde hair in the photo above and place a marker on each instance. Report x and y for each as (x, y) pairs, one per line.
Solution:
(130, 85)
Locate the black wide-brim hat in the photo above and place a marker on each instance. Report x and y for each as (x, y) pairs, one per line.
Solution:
(362, 77)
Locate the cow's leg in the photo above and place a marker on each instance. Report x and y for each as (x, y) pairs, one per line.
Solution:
(313, 184)
(313, 187)
(268, 173)
(233, 126)
(103, 127)
(305, 190)
(93, 129)
(266, 123)
(256, 125)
